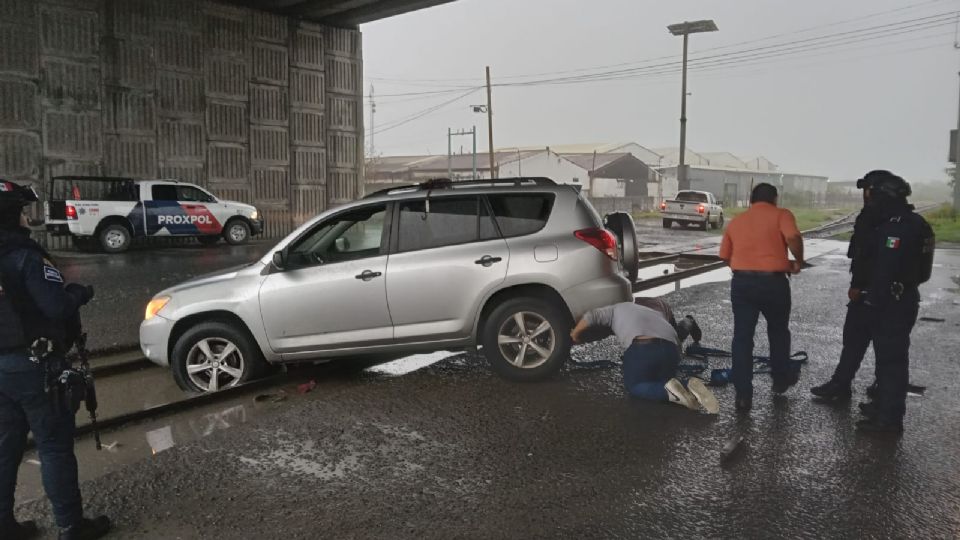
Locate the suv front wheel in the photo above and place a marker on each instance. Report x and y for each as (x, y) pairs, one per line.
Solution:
(213, 356)
(526, 339)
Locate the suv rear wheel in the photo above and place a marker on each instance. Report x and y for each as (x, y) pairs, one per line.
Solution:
(215, 355)
(526, 339)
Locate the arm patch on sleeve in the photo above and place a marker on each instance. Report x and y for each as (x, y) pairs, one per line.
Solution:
(52, 274)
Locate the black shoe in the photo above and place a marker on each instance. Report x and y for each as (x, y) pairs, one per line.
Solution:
(87, 529)
(695, 331)
(868, 409)
(781, 385)
(832, 390)
(874, 425)
(743, 404)
(25, 530)
(873, 390)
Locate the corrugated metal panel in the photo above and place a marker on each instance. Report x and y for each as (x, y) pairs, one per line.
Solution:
(185, 171)
(130, 63)
(342, 149)
(182, 14)
(72, 134)
(181, 94)
(307, 128)
(69, 32)
(129, 111)
(306, 89)
(306, 202)
(343, 75)
(227, 162)
(125, 155)
(343, 42)
(270, 63)
(271, 185)
(269, 104)
(21, 11)
(19, 50)
(67, 81)
(20, 155)
(19, 105)
(277, 222)
(179, 51)
(231, 192)
(309, 166)
(226, 77)
(269, 145)
(181, 139)
(227, 34)
(227, 121)
(129, 18)
(308, 49)
(344, 113)
(269, 27)
(343, 185)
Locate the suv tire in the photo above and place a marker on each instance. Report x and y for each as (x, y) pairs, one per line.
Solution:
(244, 361)
(115, 238)
(544, 348)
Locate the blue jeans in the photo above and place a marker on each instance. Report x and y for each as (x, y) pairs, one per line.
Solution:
(24, 407)
(752, 295)
(647, 367)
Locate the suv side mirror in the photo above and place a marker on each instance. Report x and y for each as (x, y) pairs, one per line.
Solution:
(280, 259)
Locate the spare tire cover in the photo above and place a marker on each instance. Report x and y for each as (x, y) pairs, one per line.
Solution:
(623, 226)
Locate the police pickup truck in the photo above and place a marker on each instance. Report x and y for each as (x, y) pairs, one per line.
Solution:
(692, 207)
(111, 212)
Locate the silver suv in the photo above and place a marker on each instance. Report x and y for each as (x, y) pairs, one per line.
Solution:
(505, 265)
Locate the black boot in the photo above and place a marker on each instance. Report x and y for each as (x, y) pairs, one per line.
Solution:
(25, 530)
(868, 409)
(87, 529)
(873, 389)
(832, 390)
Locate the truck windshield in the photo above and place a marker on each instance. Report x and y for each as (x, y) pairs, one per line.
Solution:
(691, 196)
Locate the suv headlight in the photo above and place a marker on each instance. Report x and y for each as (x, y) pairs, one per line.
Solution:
(155, 306)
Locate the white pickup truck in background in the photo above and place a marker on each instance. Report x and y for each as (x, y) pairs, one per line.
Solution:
(110, 212)
(692, 207)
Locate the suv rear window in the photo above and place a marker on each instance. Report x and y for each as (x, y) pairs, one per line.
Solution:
(521, 214)
(691, 196)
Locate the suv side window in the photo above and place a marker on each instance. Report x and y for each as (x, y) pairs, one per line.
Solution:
(522, 213)
(347, 237)
(451, 221)
(164, 192)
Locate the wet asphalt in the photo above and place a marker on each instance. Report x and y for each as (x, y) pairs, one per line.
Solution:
(452, 451)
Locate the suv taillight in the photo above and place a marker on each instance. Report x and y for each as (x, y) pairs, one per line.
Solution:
(663, 206)
(701, 209)
(71, 212)
(601, 239)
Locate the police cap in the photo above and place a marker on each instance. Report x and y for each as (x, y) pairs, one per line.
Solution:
(885, 183)
(15, 195)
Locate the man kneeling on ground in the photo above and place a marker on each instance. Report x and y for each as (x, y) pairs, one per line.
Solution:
(651, 357)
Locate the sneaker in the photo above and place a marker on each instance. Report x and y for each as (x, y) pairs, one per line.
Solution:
(676, 393)
(703, 394)
(832, 390)
(87, 529)
(25, 530)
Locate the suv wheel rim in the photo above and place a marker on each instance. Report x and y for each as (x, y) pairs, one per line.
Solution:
(238, 232)
(116, 239)
(214, 363)
(526, 340)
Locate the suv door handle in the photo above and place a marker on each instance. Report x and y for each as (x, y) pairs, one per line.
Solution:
(367, 275)
(487, 260)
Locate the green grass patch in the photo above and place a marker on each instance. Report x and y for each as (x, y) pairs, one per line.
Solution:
(807, 218)
(945, 224)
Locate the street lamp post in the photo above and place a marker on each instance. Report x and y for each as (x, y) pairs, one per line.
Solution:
(685, 29)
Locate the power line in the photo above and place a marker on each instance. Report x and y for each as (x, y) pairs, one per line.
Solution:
(421, 114)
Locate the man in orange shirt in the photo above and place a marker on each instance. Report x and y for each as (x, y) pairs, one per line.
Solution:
(755, 246)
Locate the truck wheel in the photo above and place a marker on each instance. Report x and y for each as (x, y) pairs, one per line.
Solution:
(115, 238)
(526, 339)
(703, 225)
(213, 356)
(208, 240)
(667, 224)
(719, 223)
(236, 232)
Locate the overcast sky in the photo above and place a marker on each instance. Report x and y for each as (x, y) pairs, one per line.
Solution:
(881, 93)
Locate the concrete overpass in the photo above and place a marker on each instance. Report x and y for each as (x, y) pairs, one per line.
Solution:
(256, 100)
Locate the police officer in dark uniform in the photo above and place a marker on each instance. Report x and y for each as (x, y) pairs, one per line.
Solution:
(892, 254)
(36, 311)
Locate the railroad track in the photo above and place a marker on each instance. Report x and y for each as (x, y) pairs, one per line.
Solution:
(845, 224)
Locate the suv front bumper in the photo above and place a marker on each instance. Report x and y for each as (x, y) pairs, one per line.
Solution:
(155, 339)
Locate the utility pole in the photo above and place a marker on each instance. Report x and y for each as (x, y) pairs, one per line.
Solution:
(493, 173)
(373, 112)
(450, 135)
(449, 154)
(956, 167)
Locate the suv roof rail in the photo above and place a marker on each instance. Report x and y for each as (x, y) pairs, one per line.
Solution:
(446, 183)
